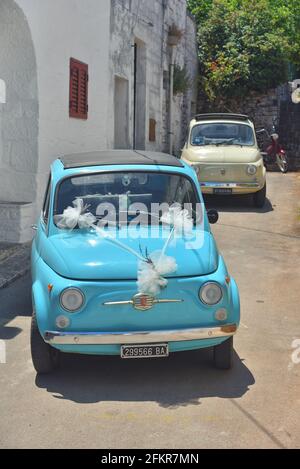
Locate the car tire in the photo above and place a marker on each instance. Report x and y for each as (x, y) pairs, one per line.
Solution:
(45, 358)
(223, 354)
(259, 198)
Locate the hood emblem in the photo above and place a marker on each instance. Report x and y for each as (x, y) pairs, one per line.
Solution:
(143, 302)
(223, 172)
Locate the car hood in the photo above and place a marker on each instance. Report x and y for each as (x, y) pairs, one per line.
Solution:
(82, 255)
(221, 154)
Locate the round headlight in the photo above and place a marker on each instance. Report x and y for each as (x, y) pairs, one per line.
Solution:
(71, 299)
(211, 294)
(251, 169)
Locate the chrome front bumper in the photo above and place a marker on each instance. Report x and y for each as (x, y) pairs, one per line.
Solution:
(149, 337)
(230, 185)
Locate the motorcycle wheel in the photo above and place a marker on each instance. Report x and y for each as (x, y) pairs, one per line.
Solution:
(282, 163)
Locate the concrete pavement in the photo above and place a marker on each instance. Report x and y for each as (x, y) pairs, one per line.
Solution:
(182, 402)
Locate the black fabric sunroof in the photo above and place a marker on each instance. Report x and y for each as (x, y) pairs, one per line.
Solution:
(119, 157)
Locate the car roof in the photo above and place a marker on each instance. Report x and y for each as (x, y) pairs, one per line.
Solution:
(119, 157)
(222, 116)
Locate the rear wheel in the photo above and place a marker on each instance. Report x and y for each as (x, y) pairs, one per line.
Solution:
(259, 198)
(282, 162)
(45, 358)
(223, 354)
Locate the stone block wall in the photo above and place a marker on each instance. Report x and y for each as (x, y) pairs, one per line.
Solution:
(16, 222)
(148, 23)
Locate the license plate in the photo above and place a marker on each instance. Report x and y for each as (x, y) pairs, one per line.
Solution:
(144, 351)
(222, 191)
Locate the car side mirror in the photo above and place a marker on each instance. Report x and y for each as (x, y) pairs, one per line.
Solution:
(213, 216)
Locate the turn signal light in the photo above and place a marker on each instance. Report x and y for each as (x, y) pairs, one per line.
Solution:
(229, 329)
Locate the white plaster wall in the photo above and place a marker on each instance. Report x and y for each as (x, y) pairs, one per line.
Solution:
(1, 143)
(62, 29)
(19, 115)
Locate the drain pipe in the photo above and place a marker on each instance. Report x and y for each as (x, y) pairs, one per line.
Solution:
(171, 133)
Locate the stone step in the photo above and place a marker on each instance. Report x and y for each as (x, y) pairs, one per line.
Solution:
(15, 222)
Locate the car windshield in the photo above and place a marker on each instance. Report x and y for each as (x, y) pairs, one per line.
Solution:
(222, 134)
(122, 196)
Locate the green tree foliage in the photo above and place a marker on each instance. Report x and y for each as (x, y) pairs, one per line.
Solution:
(182, 80)
(245, 45)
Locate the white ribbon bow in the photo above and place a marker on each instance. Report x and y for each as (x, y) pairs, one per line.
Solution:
(180, 220)
(151, 273)
(75, 216)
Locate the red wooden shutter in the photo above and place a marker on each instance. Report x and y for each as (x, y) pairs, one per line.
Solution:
(79, 78)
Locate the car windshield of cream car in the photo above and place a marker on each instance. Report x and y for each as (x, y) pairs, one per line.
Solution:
(222, 134)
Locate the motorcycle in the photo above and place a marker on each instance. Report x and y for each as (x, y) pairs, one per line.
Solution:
(275, 153)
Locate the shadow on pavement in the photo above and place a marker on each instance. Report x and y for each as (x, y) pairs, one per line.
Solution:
(235, 204)
(15, 300)
(183, 379)
(9, 333)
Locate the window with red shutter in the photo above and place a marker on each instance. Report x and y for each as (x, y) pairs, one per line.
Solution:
(79, 77)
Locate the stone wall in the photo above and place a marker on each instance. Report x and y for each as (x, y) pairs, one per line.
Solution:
(262, 108)
(189, 105)
(16, 222)
(147, 24)
(186, 55)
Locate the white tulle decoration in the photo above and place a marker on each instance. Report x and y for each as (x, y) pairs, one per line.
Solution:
(180, 220)
(152, 271)
(75, 216)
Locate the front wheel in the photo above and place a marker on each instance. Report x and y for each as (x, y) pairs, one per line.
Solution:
(259, 198)
(282, 162)
(45, 358)
(223, 355)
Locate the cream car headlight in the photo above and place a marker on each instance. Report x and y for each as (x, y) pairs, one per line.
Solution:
(211, 294)
(251, 170)
(72, 299)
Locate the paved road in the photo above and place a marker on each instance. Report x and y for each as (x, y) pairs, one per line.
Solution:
(182, 402)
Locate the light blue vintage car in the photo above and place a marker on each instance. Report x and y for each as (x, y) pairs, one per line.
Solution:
(112, 273)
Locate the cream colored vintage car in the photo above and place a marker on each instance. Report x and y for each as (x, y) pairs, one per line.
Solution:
(223, 150)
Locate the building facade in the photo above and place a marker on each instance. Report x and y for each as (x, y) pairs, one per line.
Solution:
(82, 76)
